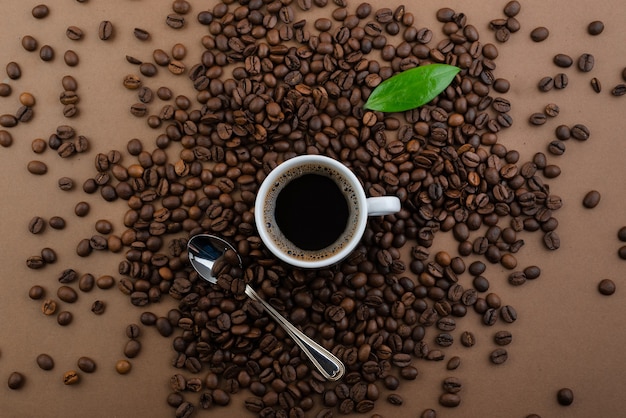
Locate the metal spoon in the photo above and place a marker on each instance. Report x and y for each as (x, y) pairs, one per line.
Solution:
(205, 249)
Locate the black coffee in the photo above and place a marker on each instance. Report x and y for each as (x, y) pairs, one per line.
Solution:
(311, 211)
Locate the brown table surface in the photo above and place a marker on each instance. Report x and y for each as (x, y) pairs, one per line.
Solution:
(567, 334)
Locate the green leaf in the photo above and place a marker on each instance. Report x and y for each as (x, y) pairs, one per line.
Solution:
(411, 88)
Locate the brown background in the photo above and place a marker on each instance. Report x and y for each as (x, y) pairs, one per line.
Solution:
(567, 334)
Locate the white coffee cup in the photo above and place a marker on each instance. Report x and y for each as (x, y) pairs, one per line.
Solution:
(359, 207)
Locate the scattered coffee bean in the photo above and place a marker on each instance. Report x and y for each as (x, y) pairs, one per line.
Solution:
(49, 307)
(591, 199)
(16, 380)
(71, 377)
(36, 292)
(40, 11)
(37, 167)
(64, 318)
(450, 400)
(105, 30)
(552, 110)
(98, 307)
(29, 43)
(13, 70)
(67, 294)
(141, 34)
(74, 33)
(27, 99)
(606, 287)
(619, 90)
(596, 85)
(82, 209)
(123, 366)
(5, 90)
(595, 28)
(586, 62)
(70, 58)
(56, 222)
(539, 34)
(105, 282)
(46, 53)
(563, 60)
(565, 396)
(498, 356)
(45, 362)
(86, 364)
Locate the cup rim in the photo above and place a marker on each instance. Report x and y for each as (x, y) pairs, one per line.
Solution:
(361, 221)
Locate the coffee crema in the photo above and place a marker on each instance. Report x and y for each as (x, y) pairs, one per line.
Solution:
(300, 243)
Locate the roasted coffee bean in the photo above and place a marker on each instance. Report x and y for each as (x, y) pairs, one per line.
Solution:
(132, 82)
(586, 62)
(64, 318)
(16, 380)
(619, 90)
(105, 30)
(451, 385)
(596, 85)
(8, 121)
(82, 209)
(508, 314)
(36, 292)
(565, 396)
(449, 400)
(563, 61)
(580, 132)
(552, 240)
(48, 307)
(74, 33)
(46, 53)
(175, 21)
(98, 307)
(453, 363)
(67, 294)
(552, 110)
(591, 199)
(556, 148)
(512, 8)
(40, 11)
(621, 234)
(86, 364)
(502, 338)
(45, 362)
(539, 34)
(13, 70)
(123, 366)
(498, 356)
(468, 339)
(5, 90)
(561, 81)
(56, 222)
(606, 287)
(36, 225)
(37, 167)
(546, 84)
(141, 34)
(29, 43)
(132, 348)
(595, 28)
(105, 282)
(537, 118)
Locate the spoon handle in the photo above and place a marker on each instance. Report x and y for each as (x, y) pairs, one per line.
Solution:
(328, 365)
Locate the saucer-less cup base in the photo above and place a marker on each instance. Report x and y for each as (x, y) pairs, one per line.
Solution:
(360, 208)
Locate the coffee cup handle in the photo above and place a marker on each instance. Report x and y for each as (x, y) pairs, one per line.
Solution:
(382, 205)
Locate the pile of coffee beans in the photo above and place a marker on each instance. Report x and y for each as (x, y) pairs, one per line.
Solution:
(271, 84)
